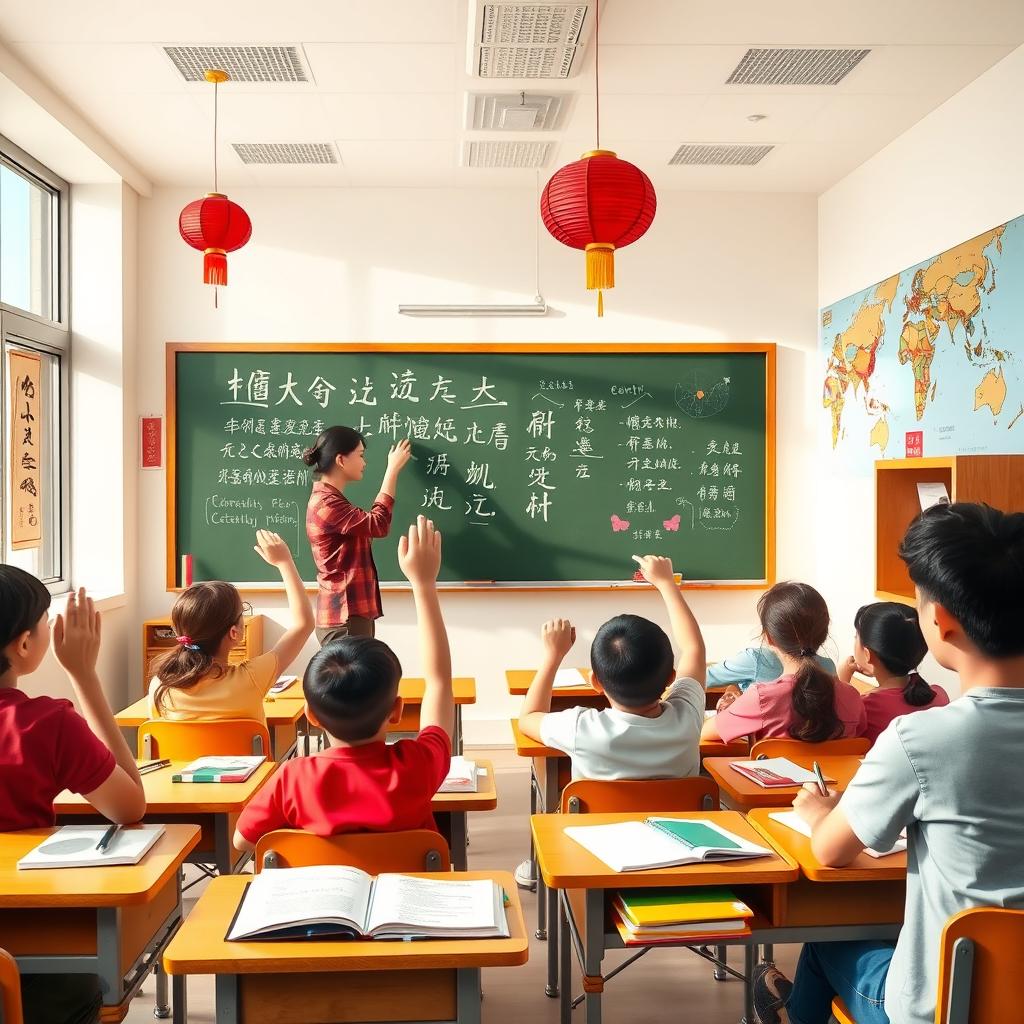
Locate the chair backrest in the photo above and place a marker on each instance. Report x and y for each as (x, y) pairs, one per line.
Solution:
(10, 989)
(414, 850)
(797, 748)
(185, 741)
(596, 795)
(979, 967)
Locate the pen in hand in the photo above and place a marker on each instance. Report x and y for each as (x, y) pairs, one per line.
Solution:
(107, 837)
(822, 788)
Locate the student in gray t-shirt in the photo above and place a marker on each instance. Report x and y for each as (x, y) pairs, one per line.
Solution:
(951, 776)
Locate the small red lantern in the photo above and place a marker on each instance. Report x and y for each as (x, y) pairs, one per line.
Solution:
(599, 204)
(216, 226)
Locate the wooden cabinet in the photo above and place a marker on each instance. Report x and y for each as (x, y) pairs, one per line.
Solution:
(996, 480)
(158, 637)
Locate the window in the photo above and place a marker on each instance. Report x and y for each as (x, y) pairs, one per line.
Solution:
(34, 322)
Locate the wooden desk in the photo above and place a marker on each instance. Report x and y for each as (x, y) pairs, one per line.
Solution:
(325, 981)
(110, 921)
(450, 811)
(213, 807)
(869, 891)
(285, 713)
(743, 794)
(584, 884)
(518, 681)
(410, 689)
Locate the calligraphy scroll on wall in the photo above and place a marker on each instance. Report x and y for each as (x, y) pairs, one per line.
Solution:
(24, 373)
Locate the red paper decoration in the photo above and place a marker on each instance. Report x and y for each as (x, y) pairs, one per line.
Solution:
(599, 204)
(216, 226)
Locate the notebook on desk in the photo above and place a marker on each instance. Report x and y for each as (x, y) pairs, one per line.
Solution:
(461, 777)
(775, 772)
(74, 846)
(219, 769)
(793, 820)
(662, 843)
(568, 677)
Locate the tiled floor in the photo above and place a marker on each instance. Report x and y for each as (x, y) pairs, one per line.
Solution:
(664, 986)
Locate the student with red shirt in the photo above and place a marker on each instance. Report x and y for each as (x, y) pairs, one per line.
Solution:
(340, 533)
(806, 702)
(46, 747)
(360, 783)
(888, 645)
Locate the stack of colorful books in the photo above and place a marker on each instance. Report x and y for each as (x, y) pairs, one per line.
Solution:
(689, 916)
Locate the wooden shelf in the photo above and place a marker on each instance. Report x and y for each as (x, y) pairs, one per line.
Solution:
(996, 480)
(158, 637)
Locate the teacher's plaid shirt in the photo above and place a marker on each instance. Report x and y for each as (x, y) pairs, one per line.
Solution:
(339, 534)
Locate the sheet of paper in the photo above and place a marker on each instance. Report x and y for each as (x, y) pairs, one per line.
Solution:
(793, 820)
(279, 897)
(566, 677)
(932, 494)
(784, 767)
(422, 903)
(630, 845)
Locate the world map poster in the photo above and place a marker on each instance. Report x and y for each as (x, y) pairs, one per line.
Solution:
(930, 361)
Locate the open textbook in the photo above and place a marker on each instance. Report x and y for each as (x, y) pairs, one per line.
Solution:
(344, 902)
(662, 843)
(793, 820)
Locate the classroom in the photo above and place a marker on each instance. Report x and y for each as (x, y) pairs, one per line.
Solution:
(425, 424)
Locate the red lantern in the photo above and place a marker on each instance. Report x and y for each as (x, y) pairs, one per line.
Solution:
(599, 204)
(217, 226)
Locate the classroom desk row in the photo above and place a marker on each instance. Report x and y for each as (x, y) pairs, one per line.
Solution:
(289, 729)
(795, 899)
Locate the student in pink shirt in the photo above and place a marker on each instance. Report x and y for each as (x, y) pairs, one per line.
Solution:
(888, 646)
(805, 702)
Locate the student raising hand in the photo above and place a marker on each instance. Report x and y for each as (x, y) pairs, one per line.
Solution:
(656, 569)
(419, 552)
(558, 636)
(271, 548)
(76, 636)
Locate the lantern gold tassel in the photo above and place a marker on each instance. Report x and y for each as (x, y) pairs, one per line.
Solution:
(600, 270)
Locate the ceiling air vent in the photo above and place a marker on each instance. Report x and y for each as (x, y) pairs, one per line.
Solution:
(242, 63)
(517, 112)
(698, 154)
(500, 153)
(527, 40)
(285, 152)
(795, 66)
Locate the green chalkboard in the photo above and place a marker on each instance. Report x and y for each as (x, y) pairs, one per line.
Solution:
(541, 464)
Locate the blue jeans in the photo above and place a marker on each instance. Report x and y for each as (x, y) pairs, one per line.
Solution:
(854, 971)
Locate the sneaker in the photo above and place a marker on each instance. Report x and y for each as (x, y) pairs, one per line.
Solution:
(771, 990)
(525, 878)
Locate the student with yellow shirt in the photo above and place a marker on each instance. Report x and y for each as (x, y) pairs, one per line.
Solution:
(194, 682)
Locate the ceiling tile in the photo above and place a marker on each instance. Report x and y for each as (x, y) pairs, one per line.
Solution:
(385, 162)
(391, 115)
(380, 67)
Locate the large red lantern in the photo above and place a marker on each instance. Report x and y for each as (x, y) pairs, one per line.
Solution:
(216, 226)
(599, 204)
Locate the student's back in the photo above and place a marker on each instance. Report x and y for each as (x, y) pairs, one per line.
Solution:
(958, 771)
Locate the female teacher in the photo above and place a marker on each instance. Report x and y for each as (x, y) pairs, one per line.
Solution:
(340, 534)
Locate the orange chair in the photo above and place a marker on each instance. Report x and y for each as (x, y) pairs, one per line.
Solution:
(596, 795)
(797, 748)
(185, 741)
(375, 852)
(10, 989)
(979, 964)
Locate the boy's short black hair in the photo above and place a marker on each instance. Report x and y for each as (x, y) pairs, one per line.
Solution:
(23, 600)
(632, 658)
(351, 685)
(970, 559)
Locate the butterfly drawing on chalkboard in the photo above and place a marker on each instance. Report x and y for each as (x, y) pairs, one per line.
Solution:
(672, 524)
(619, 524)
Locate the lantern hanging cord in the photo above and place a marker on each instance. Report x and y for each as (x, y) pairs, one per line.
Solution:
(597, 70)
(216, 87)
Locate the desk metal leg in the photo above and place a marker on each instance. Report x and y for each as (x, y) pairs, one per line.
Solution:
(749, 960)
(457, 827)
(593, 955)
(160, 1009)
(457, 738)
(468, 995)
(545, 899)
(223, 852)
(564, 963)
(179, 997)
(722, 954)
(227, 999)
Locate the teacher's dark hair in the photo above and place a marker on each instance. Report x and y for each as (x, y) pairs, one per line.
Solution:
(23, 600)
(331, 443)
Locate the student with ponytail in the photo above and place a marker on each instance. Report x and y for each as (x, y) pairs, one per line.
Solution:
(888, 647)
(340, 534)
(194, 682)
(806, 702)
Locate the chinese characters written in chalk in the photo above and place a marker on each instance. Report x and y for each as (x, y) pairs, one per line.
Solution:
(24, 373)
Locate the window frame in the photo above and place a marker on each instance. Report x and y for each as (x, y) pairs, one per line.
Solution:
(23, 329)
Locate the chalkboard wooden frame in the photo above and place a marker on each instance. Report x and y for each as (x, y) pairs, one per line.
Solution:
(768, 349)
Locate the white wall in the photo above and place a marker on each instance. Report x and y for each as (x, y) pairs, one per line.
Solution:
(332, 265)
(953, 175)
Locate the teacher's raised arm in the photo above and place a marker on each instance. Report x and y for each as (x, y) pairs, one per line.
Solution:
(340, 534)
